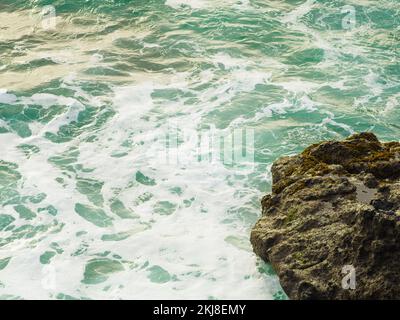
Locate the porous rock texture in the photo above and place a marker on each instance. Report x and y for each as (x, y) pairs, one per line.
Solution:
(335, 204)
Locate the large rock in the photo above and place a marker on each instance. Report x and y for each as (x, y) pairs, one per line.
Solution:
(336, 204)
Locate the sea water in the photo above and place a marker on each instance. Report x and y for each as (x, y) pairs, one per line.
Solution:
(109, 185)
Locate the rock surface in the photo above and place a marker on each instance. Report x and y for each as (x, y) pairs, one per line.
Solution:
(335, 204)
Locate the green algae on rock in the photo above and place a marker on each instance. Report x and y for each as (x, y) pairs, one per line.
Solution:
(335, 204)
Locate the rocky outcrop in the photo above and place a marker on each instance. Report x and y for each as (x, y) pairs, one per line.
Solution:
(336, 204)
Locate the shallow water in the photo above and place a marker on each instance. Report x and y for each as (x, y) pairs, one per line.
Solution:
(91, 208)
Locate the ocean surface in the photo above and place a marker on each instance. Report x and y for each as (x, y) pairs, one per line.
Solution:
(91, 205)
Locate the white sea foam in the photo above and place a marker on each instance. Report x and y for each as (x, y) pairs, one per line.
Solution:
(190, 244)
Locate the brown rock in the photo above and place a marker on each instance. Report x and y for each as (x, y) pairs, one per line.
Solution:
(335, 204)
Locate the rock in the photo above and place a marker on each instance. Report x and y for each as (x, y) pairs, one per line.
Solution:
(336, 204)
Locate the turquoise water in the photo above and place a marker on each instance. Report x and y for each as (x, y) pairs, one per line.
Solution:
(89, 208)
